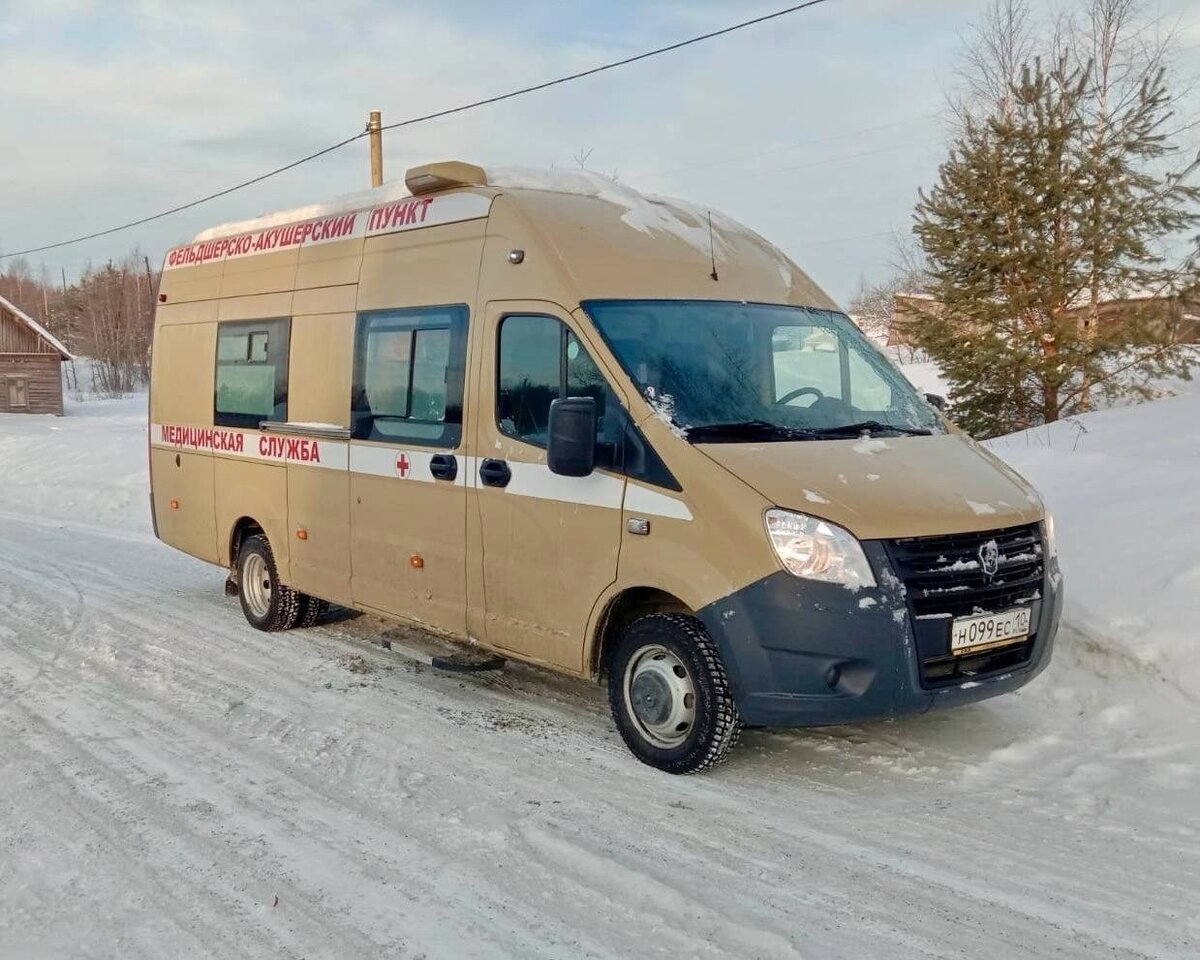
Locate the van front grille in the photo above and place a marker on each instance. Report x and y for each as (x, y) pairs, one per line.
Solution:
(945, 578)
(946, 575)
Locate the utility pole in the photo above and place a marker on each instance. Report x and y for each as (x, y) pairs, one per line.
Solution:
(374, 127)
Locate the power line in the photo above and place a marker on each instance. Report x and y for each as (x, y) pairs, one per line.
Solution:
(185, 206)
(794, 145)
(421, 119)
(608, 66)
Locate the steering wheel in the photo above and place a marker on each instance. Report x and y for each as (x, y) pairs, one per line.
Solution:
(800, 392)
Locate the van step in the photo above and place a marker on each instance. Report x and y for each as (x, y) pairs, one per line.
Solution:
(464, 663)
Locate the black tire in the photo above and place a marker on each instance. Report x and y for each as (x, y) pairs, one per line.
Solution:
(662, 644)
(272, 605)
(312, 611)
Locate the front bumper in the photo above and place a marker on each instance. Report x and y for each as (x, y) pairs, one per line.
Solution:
(803, 653)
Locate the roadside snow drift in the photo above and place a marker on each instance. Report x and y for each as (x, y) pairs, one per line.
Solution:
(1124, 488)
(176, 784)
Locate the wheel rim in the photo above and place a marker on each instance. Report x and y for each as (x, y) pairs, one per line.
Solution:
(256, 585)
(660, 697)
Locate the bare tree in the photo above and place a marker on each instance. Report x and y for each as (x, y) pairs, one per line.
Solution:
(1126, 53)
(873, 306)
(112, 309)
(999, 45)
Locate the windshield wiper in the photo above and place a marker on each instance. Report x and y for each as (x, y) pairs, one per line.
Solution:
(868, 427)
(746, 430)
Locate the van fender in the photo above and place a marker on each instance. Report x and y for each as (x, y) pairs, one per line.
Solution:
(624, 598)
(257, 492)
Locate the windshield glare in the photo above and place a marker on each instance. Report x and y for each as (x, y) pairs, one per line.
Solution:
(702, 363)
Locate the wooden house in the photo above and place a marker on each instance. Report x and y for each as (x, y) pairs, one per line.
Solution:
(30, 364)
(1178, 315)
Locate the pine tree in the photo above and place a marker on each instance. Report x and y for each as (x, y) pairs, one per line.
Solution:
(1033, 216)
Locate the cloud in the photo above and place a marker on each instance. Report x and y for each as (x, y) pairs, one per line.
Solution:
(815, 129)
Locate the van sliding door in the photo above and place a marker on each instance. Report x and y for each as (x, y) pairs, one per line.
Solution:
(408, 471)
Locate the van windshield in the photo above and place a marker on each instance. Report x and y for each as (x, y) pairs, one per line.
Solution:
(740, 372)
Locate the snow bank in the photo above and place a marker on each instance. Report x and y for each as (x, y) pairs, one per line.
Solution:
(87, 467)
(1124, 487)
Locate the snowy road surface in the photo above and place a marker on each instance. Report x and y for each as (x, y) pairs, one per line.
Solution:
(176, 784)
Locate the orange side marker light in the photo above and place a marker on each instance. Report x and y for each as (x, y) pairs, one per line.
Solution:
(174, 504)
(302, 534)
(416, 561)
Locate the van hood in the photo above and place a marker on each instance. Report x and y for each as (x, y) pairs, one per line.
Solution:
(886, 487)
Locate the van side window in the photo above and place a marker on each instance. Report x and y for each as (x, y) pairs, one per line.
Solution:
(252, 372)
(408, 375)
(541, 360)
(530, 376)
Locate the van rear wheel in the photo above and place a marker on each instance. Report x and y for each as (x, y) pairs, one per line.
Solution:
(670, 695)
(267, 603)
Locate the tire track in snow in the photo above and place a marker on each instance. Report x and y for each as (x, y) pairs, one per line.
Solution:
(415, 813)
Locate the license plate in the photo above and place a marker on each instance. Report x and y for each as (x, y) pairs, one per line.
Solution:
(989, 630)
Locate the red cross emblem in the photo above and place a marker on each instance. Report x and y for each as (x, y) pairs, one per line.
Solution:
(402, 465)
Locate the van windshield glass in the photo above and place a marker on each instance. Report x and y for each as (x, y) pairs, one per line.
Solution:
(741, 372)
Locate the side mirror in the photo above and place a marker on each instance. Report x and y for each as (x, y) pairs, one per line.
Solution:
(571, 450)
(936, 400)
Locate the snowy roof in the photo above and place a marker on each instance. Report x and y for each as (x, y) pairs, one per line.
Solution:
(642, 211)
(344, 203)
(706, 230)
(36, 327)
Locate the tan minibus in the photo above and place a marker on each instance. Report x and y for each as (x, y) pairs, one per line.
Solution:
(613, 435)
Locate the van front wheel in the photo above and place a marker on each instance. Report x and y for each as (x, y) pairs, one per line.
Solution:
(267, 603)
(670, 695)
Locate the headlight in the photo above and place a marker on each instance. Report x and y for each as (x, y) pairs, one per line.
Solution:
(818, 550)
(1051, 540)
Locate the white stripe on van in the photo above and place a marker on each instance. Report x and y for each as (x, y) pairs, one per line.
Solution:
(252, 445)
(391, 462)
(533, 480)
(639, 499)
(536, 480)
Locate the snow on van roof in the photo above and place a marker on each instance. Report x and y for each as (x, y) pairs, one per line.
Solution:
(643, 211)
(647, 213)
(345, 203)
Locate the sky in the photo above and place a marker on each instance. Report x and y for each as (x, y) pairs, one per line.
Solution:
(817, 129)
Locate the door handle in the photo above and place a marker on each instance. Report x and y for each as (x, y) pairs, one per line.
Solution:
(444, 466)
(494, 473)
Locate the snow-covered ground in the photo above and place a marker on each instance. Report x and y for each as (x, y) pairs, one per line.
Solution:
(927, 377)
(175, 784)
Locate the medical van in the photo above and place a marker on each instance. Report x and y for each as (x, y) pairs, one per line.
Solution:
(613, 435)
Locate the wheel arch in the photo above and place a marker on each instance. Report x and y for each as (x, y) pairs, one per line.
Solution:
(623, 608)
(242, 528)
